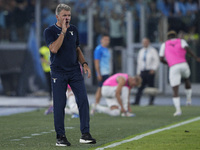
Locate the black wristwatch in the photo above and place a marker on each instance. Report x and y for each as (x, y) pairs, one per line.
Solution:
(84, 64)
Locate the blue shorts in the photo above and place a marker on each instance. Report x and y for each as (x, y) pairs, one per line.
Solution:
(104, 77)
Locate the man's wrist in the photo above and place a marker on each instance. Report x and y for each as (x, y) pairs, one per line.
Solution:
(84, 64)
(63, 33)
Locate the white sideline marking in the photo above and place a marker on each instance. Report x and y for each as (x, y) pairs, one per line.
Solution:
(15, 140)
(45, 132)
(69, 127)
(26, 137)
(37, 134)
(149, 133)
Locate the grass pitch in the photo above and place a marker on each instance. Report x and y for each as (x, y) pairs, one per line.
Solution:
(185, 137)
(34, 131)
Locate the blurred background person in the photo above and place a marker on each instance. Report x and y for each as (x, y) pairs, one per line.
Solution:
(173, 53)
(21, 19)
(147, 65)
(116, 29)
(45, 60)
(102, 63)
(116, 90)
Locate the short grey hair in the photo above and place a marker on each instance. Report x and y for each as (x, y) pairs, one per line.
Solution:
(61, 7)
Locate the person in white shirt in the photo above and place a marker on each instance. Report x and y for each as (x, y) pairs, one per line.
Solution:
(147, 64)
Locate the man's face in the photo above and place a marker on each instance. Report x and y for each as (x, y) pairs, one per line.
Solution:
(64, 16)
(105, 41)
(145, 42)
(132, 82)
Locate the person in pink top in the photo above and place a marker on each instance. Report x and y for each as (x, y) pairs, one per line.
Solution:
(173, 53)
(116, 91)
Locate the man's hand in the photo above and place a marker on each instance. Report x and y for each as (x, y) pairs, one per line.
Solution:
(129, 108)
(65, 25)
(152, 72)
(123, 110)
(86, 70)
(99, 78)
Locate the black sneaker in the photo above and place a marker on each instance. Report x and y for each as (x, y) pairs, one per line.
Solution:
(86, 138)
(62, 141)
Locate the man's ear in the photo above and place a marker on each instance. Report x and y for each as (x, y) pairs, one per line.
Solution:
(57, 17)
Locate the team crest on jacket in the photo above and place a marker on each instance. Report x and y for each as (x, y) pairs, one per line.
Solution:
(71, 32)
(54, 80)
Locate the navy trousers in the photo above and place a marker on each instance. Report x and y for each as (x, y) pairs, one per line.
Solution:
(147, 79)
(59, 87)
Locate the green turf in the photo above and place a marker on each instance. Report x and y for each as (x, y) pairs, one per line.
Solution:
(185, 137)
(104, 128)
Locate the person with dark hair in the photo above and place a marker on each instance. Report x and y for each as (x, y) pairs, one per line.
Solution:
(102, 64)
(62, 39)
(173, 52)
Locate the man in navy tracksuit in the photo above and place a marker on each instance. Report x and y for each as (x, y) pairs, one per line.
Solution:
(63, 42)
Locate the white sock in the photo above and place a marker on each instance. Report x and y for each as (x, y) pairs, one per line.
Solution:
(188, 93)
(177, 105)
(68, 111)
(74, 110)
(71, 103)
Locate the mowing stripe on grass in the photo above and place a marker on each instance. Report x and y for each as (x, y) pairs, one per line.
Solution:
(149, 133)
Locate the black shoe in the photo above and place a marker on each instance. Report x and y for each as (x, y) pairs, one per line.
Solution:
(135, 103)
(150, 104)
(86, 138)
(62, 141)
